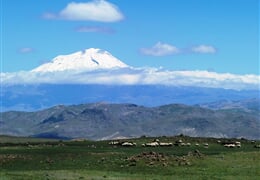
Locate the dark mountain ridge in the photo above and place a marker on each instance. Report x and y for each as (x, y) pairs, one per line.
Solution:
(109, 121)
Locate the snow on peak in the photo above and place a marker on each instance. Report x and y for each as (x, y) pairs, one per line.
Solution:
(88, 59)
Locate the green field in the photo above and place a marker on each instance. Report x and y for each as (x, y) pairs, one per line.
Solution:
(26, 158)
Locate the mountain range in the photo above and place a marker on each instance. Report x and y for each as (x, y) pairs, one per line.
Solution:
(109, 121)
(58, 99)
(94, 75)
(32, 97)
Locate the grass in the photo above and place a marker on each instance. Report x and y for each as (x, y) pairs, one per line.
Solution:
(20, 140)
(98, 160)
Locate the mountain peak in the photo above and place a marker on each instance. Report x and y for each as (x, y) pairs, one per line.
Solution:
(93, 51)
(87, 59)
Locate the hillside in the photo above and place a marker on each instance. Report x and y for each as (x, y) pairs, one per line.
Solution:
(109, 121)
(246, 104)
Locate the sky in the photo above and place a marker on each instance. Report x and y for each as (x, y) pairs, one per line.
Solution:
(217, 35)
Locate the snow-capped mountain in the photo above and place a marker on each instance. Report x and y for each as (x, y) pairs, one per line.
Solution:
(95, 66)
(89, 59)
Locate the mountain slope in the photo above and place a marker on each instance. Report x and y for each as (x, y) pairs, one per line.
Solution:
(246, 104)
(101, 120)
(88, 59)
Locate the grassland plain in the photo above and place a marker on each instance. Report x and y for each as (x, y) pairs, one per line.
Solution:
(26, 158)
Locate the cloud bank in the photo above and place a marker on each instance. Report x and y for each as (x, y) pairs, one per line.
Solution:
(97, 10)
(136, 76)
(163, 49)
(160, 49)
(95, 29)
(25, 50)
(204, 49)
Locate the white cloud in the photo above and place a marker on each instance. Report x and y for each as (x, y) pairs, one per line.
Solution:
(97, 10)
(204, 49)
(97, 29)
(131, 76)
(26, 50)
(163, 49)
(49, 16)
(160, 49)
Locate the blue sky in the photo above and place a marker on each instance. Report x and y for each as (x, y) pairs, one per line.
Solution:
(215, 35)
